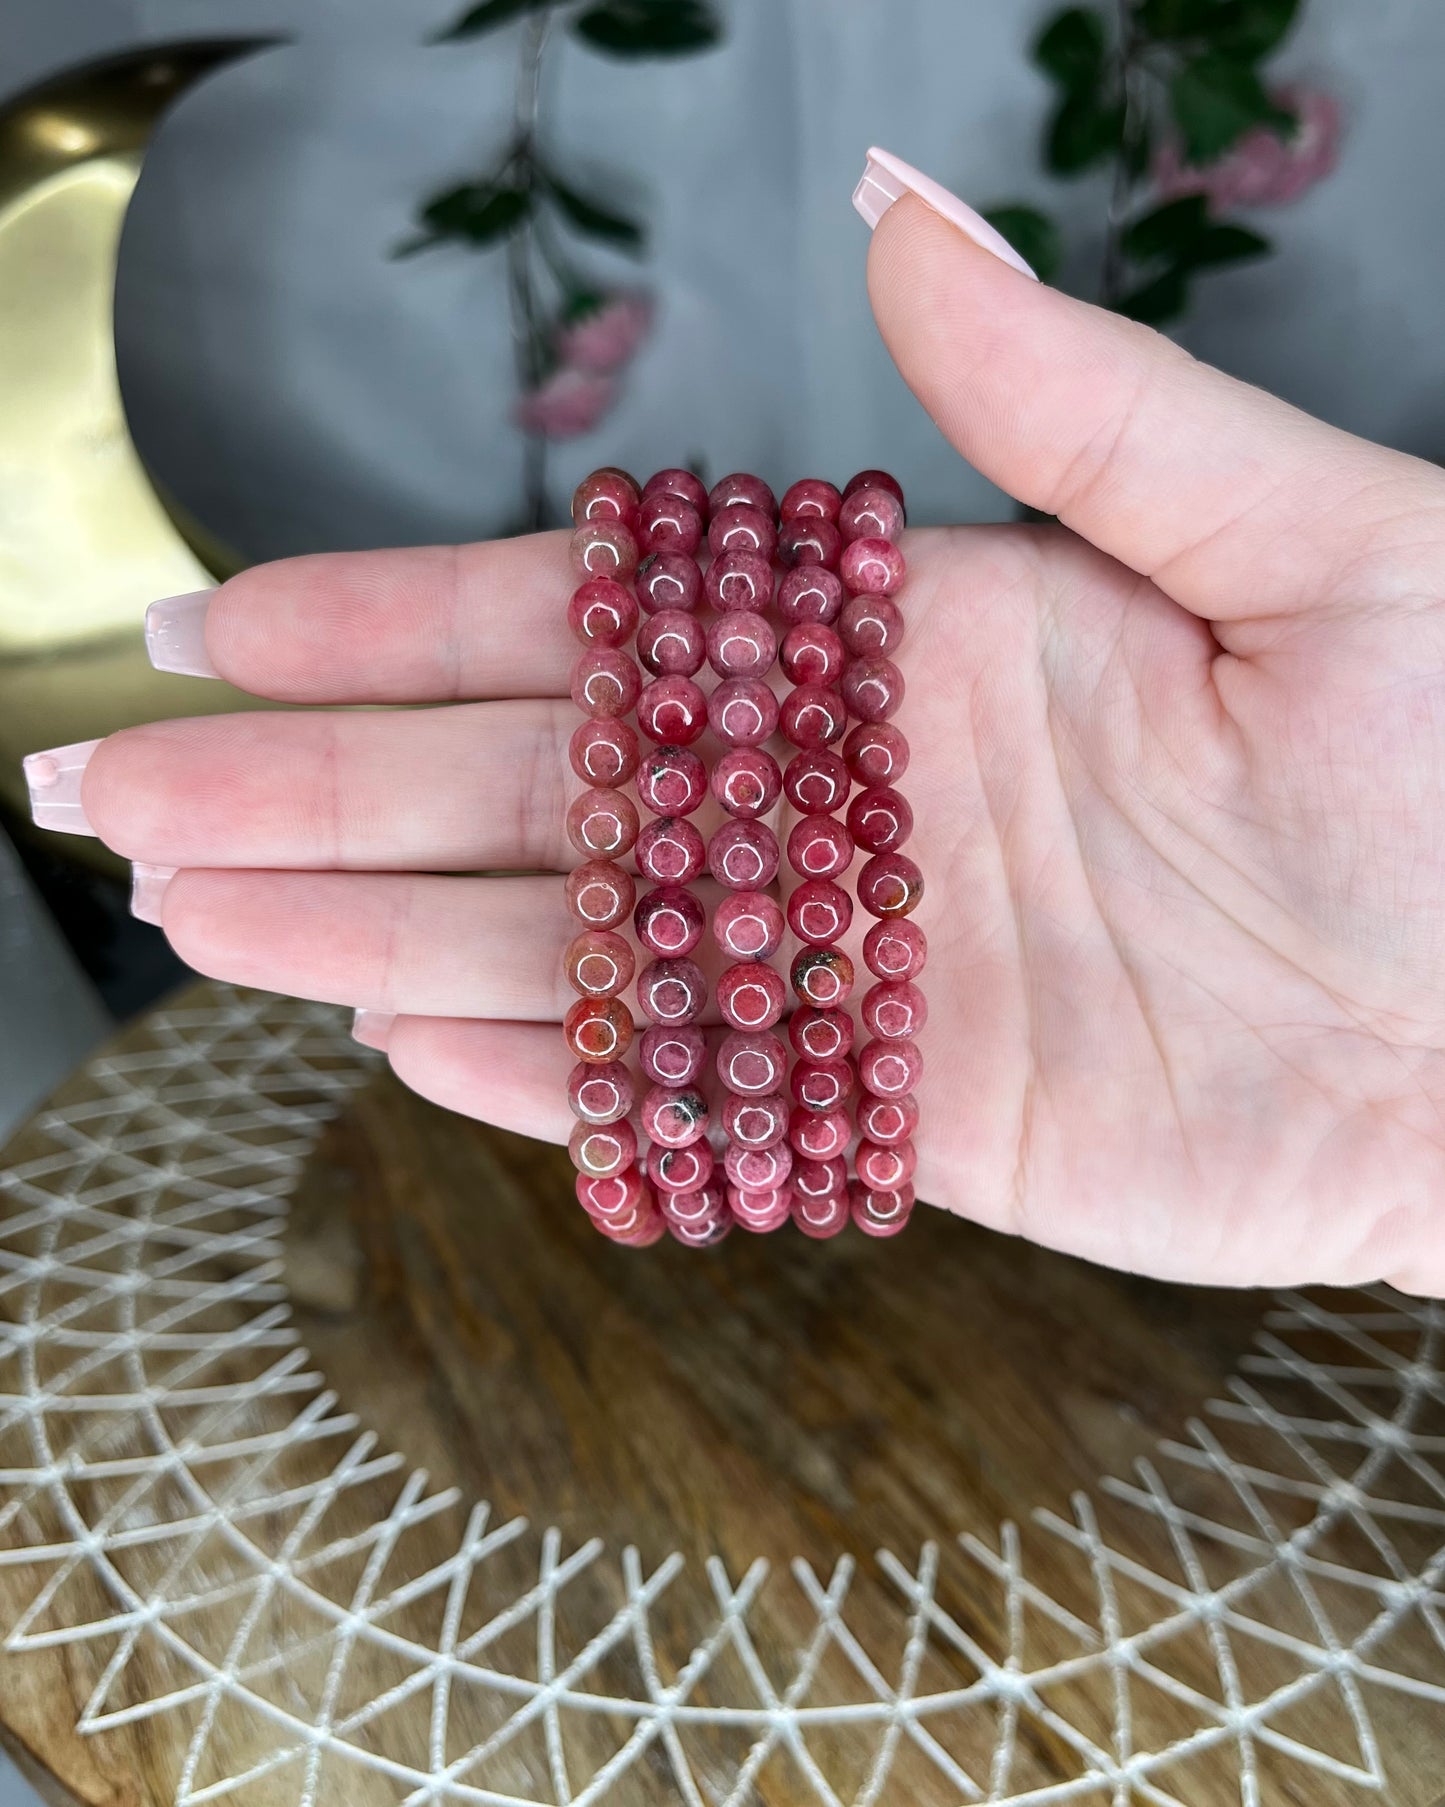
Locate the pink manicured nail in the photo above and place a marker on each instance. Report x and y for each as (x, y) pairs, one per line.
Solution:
(887, 178)
(147, 888)
(176, 635)
(372, 1028)
(54, 779)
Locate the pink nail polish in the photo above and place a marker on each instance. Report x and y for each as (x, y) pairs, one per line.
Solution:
(147, 888)
(176, 635)
(54, 779)
(372, 1028)
(887, 178)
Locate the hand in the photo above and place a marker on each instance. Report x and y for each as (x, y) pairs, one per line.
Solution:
(1178, 775)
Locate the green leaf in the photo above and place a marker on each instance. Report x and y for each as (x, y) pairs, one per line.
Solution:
(487, 17)
(594, 220)
(1083, 131)
(478, 212)
(1163, 299)
(1216, 100)
(638, 28)
(1166, 231)
(1226, 245)
(1175, 19)
(1071, 48)
(1254, 28)
(1032, 234)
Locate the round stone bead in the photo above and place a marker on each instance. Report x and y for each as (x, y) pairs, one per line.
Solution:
(756, 1122)
(667, 580)
(741, 644)
(742, 487)
(887, 1120)
(602, 1149)
(808, 541)
(603, 752)
(873, 480)
(702, 1236)
(672, 1054)
(821, 1218)
(599, 964)
(672, 709)
(889, 1069)
(600, 1091)
(670, 851)
(600, 894)
(674, 1116)
(751, 995)
(607, 495)
(605, 549)
(810, 499)
(894, 1010)
(748, 925)
(819, 911)
(812, 654)
(810, 593)
(816, 782)
(672, 643)
(743, 711)
(895, 948)
(602, 824)
(873, 688)
(877, 753)
(744, 856)
(605, 682)
(671, 781)
(667, 524)
(739, 580)
(881, 1213)
(680, 1169)
(812, 716)
(692, 1209)
(598, 1029)
(675, 481)
(821, 1085)
(669, 921)
(671, 991)
(819, 1135)
(747, 782)
(890, 885)
(820, 1034)
(760, 1212)
(871, 627)
(885, 1167)
(645, 1227)
(752, 1064)
(742, 529)
(822, 976)
(819, 1179)
(819, 847)
(872, 567)
(602, 612)
(615, 1197)
(879, 819)
(870, 513)
(758, 1169)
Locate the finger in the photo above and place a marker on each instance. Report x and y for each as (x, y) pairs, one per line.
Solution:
(511, 1074)
(1238, 505)
(440, 789)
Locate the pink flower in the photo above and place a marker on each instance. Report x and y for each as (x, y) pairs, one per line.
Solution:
(604, 339)
(1262, 170)
(569, 403)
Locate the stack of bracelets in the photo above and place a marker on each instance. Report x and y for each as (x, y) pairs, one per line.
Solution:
(776, 1149)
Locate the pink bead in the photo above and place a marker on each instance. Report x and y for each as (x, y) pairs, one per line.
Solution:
(758, 1169)
(615, 1196)
(746, 782)
(812, 716)
(600, 894)
(674, 1116)
(873, 480)
(819, 847)
(751, 995)
(602, 612)
(608, 495)
(885, 1168)
(604, 549)
(820, 1034)
(602, 1149)
(819, 911)
(677, 482)
(645, 1227)
(672, 643)
(703, 1236)
(819, 1179)
(816, 782)
(599, 964)
(879, 819)
(669, 921)
(602, 824)
(760, 1212)
(752, 1064)
(887, 1120)
(605, 682)
(603, 752)
(756, 1122)
(739, 580)
(881, 1213)
(810, 593)
(667, 524)
(810, 499)
(808, 541)
(889, 1069)
(598, 1029)
(877, 753)
(601, 1091)
(671, 781)
(812, 654)
(821, 1218)
(819, 1135)
(705, 1205)
(871, 513)
(748, 925)
(670, 852)
(742, 529)
(743, 711)
(671, 991)
(871, 627)
(822, 976)
(894, 1010)
(874, 567)
(667, 580)
(672, 710)
(873, 688)
(821, 1085)
(744, 856)
(680, 1169)
(890, 885)
(741, 487)
(741, 644)
(672, 1055)
(895, 948)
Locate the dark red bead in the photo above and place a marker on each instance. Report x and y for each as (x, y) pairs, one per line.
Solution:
(603, 1149)
(704, 1235)
(890, 884)
(744, 856)
(606, 495)
(819, 1135)
(605, 682)
(600, 1091)
(816, 782)
(615, 1197)
(743, 711)
(672, 709)
(677, 482)
(758, 1169)
(742, 529)
(672, 643)
(821, 1218)
(669, 921)
(895, 948)
(879, 819)
(670, 852)
(819, 910)
(603, 752)
(741, 487)
(810, 498)
(739, 580)
(887, 1120)
(672, 1054)
(741, 644)
(692, 1209)
(871, 512)
(812, 716)
(822, 976)
(876, 567)
(821, 1085)
(760, 1212)
(818, 1180)
(810, 593)
(748, 925)
(668, 524)
(604, 549)
(873, 480)
(885, 1167)
(598, 1028)
(877, 753)
(671, 991)
(602, 612)
(894, 1009)
(871, 627)
(881, 1213)
(805, 541)
(873, 688)
(645, 1226)
(752, 1064)
(671, 781)
(756, 1122)
(819, 847)
(601, 894)
(820, 1034)
(667, 580)
(747, 782)
(889, 1069)
(680, 1169)
(602, 824)
(599, 964)
(812, 654)
(675, 1116)
(751, 995)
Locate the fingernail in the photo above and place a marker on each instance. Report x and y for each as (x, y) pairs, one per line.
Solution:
(887, 178)
(54, 780)
(176, 635)
(372, 1028)
(147, 888)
